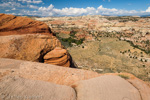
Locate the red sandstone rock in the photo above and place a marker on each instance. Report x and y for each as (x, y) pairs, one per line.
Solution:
(30, 47)
(39, 48)
(58, 56)
(12, 25)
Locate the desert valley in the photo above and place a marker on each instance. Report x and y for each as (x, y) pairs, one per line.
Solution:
(106, 43)
(89, 57)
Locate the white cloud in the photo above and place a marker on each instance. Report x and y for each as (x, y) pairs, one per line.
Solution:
(7, 10)
(148, 10)
(51, 11)
(31, 1)
(32, 6)
(13, 9)
(102, 9)
(49, 8)
(37, 1)
(71, 11)
(11, 4)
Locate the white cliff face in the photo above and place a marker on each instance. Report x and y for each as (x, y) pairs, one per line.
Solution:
(99, 23)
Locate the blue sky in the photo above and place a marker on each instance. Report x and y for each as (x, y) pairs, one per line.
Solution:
(75, 7)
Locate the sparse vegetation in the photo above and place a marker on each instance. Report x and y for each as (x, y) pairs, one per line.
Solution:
(123, 76)
(70, 40)
(123, 18)
(119, 49)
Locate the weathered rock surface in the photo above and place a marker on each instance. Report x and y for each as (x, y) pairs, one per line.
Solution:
(106, 87)
(16, 88)
(13, 25)
(44, 72)
(143, 88)
(34, 48)
(58, 56)
(103, 87)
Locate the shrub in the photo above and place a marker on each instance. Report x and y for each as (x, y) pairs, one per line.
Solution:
(71, 40)
(72, 33)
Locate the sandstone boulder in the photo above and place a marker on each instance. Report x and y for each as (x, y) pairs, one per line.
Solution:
(16, 88)
(106, 87)
(58, 56)
(15, 25)
(35, 48)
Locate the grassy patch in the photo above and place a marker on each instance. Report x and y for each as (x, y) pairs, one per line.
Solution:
(124, 76)
(138, 47)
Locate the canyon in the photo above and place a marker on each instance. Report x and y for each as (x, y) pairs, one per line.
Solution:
(74, 58)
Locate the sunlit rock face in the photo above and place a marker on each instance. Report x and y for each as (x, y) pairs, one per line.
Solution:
(26, 39)
(42, 79)
(13, 25)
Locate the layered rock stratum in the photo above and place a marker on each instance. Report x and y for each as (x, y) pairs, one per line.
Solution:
(13, 25)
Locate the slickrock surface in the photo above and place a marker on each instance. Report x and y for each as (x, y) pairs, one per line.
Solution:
(44, 72)
(143, 88)
(34, 48)
(87, 84)
(16, 88)
(106, 87)
(13, 25)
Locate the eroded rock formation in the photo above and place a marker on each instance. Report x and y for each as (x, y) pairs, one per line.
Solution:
(58, 56)
(39, 48)
(25, 39)
(13, 25)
